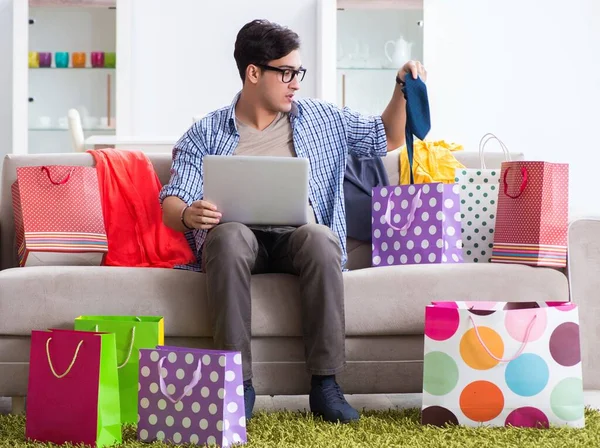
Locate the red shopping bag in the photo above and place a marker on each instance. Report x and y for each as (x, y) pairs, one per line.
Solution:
(532, 215)
(73, 392)
(58, 216)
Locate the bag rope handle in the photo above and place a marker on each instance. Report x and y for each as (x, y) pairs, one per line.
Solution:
(527, 332)
(130, 347)
(411, 214)
(70, 365)
(186, 389)
(523, 183)
(484, 141)
(60, 182)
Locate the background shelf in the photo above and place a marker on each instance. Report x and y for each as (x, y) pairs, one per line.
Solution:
(73, 68)
(367, 69)
(67, 129)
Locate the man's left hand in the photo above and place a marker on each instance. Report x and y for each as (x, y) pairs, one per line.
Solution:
(414, 68)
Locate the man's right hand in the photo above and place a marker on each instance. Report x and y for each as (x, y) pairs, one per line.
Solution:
(201, 215)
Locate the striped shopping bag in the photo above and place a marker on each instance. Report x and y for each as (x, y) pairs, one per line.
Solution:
(58, 216)
(532, 215)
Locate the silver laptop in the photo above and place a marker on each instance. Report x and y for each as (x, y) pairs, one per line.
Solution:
(258, 190)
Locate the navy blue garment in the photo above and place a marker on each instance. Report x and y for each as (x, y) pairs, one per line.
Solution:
(362, 174)
(418, 121)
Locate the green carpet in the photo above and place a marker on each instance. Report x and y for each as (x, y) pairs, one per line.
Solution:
(376, 429)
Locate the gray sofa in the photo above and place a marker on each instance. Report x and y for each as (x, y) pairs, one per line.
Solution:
(384, 305)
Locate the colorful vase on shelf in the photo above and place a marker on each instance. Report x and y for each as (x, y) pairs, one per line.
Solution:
(97, 59)
(34, 59)
(79, 60)
(45, 59)
(110, 59)
(61, 59)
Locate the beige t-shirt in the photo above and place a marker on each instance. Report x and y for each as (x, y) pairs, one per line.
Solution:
(276, 140)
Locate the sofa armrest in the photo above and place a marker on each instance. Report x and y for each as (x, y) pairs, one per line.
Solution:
(584, 282)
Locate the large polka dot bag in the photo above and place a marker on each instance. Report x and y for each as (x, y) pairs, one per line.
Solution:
(416, 224)
(502, 363)
(533, 214)
(191, 396)
(478, 202)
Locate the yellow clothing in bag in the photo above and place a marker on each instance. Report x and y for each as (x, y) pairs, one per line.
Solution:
(432, 162)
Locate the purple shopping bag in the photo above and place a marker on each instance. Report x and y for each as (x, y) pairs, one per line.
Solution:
(191, 396)
(416, 224)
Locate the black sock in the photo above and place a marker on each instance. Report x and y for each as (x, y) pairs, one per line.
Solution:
(321, 378)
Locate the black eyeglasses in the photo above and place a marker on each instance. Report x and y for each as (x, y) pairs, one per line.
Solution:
(287, 74)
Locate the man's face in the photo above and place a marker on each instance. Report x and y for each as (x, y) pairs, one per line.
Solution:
(277, 94)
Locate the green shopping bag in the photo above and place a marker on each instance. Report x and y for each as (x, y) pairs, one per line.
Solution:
(131, 334)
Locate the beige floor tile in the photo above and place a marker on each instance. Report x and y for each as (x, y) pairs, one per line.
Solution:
(403, 401)
(591, 398)
(290, 402)
(369, 402)
(263, 403)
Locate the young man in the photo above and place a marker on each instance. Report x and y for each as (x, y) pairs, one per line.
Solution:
(264, 119)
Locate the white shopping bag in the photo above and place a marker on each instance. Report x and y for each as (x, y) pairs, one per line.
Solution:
(478, 203)
(502, 363)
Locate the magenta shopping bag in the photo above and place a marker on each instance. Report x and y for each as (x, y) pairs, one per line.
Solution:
(191, 396)
(416, 224)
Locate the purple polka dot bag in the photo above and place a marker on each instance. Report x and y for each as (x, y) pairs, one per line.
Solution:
(416, 224)
(191, 396)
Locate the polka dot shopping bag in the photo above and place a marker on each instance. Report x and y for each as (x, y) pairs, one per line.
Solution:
(416, 224)
(532, 215)
(193, 396)
(58, 216)
(478, 202)
(502, 363)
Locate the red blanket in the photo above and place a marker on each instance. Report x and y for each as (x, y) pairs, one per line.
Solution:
(129, 190)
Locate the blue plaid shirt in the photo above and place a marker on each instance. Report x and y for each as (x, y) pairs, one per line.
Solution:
(322, 133)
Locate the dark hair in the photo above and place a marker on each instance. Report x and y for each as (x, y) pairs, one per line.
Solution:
(260, 42)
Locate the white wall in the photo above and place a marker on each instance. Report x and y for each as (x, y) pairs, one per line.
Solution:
(181, 57)
(6, 67)
(525, 70)
(13, 87)
(20, 39)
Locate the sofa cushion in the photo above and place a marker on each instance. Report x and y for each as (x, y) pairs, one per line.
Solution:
(379, 301)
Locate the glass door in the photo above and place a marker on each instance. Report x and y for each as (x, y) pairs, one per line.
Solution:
(72, 60)
(374, 39)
